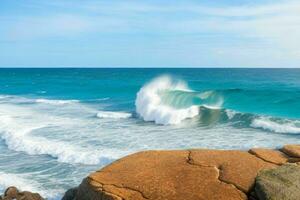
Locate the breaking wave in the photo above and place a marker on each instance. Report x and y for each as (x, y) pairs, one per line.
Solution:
(277, 126)
(168, 101)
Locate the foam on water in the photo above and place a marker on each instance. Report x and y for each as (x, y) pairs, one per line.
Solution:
(113, 115)
(230, 113)
(18, 128)
(285, 126)
(56, 102)
(25, 183)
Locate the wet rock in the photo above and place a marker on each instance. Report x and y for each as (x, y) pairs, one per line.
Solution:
(11, 192)
(282, 183)
(70, 194)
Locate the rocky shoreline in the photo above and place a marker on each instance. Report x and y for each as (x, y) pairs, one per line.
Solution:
(197, 174)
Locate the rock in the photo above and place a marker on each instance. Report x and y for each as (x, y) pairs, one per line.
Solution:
(236, 167)
(292, 150)
(70, 194)
(173, 175)
(269, 155)
(12, 193)
(282, 183)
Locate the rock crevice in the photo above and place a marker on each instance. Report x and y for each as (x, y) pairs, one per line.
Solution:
(102, 187)
(218, 170)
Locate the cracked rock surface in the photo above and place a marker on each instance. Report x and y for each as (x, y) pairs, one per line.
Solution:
(187, 175)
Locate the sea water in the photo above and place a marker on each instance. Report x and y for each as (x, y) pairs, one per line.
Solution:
(58, 125)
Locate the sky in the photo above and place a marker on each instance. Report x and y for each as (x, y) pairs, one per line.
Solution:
(149, 33)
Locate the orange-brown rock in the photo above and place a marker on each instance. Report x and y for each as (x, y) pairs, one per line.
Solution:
(158, 175)
(173, 175)
(236, 167)
(270, 155)
(197, 174)
(292, 150)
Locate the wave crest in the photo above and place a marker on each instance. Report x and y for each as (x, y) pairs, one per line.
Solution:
(153, 102)
(286, 126)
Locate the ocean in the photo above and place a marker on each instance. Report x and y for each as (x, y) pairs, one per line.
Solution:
(58, 125)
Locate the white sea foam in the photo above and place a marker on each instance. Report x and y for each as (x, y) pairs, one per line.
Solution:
(25, 183)
(56, 102)
(150, 107)
(113, 115)
(266, 123)
(230, 113)
(19, 138)
(18, 126)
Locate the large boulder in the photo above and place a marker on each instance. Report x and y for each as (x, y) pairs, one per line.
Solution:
(173, 175)
(282, 183)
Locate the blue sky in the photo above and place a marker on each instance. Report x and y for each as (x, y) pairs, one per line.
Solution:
(144, 33)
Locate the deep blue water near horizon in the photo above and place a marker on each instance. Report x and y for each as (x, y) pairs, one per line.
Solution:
(58, 125)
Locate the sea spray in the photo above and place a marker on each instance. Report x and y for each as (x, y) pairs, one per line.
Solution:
(150, 107)
(168, 101)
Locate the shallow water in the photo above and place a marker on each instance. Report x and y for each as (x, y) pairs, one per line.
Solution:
(58, 125)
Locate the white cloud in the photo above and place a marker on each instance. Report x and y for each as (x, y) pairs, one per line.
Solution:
(272, 28)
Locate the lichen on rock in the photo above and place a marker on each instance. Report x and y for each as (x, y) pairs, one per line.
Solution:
(282, 183)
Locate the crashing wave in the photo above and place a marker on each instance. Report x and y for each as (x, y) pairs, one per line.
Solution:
(167, 101)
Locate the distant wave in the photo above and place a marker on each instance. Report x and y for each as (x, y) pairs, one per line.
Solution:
(113, 115)
(56, 102)
(276, 125)
(168, 101)
(20, 99)
(283, 126)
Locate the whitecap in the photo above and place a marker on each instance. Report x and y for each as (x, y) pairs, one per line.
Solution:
(230, 113)
(113, 115)
(56, 102)
(150, 107)
(266, 123)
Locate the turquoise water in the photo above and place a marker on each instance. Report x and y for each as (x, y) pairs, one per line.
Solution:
(58, 125)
